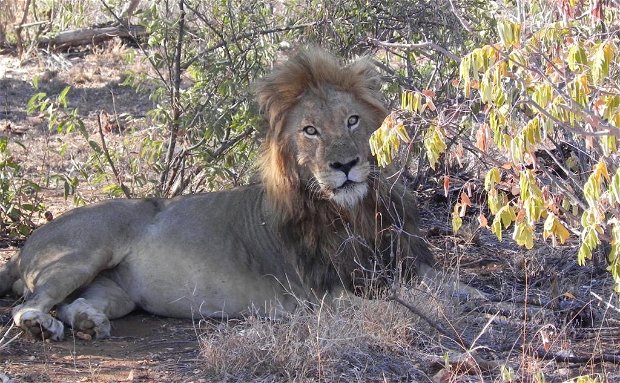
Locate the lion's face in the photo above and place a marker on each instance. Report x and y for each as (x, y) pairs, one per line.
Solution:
(329, 132)
(320, 115)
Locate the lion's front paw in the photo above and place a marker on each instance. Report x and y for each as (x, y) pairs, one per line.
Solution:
(86, 321)
(38, 324)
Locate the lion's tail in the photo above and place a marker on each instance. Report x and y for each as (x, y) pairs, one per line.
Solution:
(9, 274)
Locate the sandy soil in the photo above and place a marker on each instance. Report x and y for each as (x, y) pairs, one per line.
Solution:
(143, 348)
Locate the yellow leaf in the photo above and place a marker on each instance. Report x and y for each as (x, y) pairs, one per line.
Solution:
(554, 228)
(496, 228)
(457, 222)
(601, 171)
(434, 144)
(576, 57)
(600, 62)
(493, 201)
(583, 254)
(402, 133)
(465, 67)
(523, 235)
(491, 179)
(561, 232)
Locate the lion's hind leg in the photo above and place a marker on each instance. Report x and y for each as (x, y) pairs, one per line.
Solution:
(90, 314)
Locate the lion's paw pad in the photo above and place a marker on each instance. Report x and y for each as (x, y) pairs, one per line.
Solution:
(85, 319)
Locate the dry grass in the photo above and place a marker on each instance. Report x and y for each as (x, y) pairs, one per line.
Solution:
(370, 341)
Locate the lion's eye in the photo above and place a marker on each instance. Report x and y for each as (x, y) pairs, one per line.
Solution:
(352, 121)
(310, 130)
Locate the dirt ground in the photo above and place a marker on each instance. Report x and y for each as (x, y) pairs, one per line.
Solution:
(564, 317)
(143, 348)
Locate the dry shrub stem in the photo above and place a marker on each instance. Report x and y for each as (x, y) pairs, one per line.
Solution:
(106, 153)
(562, 358)
(19, 27)
(165, 181)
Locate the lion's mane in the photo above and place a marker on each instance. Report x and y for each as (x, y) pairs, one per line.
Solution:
(333, 246)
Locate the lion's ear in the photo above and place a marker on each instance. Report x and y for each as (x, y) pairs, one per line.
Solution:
(366, 73)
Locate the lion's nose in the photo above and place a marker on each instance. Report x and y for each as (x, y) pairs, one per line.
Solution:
(345, 168)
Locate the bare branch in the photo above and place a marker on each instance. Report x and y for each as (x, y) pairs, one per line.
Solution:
(450, 334)
(243, 36)
(174, 100)
(106, 153)
(417, 46)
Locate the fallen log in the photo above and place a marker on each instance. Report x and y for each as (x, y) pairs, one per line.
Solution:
(92, 35)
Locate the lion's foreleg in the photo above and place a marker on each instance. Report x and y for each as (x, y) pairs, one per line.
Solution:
(50, 283)
(33, 316)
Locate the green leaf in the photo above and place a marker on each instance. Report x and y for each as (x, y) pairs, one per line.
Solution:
(496, 228)
(614, 254)
(614, 187)
(583, 254)
(62, 97)
(37, 101)
(576, 57)
(95, 146)
(464, 68)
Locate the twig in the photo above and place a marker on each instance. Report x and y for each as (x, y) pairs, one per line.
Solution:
(417, 46)
(450, 334)
(566, 189)
(546, 355)
(33, 24)
(106, 153)
(463, 23)
(135, 39)
(608, 129)
(4, 344)
(607, 304)
(223, 148)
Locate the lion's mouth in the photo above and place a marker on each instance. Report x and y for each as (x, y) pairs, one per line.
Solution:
(350, 193)
(348, 184)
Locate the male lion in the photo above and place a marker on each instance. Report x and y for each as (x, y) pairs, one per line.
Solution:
(321, 222)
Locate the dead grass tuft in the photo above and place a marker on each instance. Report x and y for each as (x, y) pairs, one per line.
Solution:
(371, 342)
